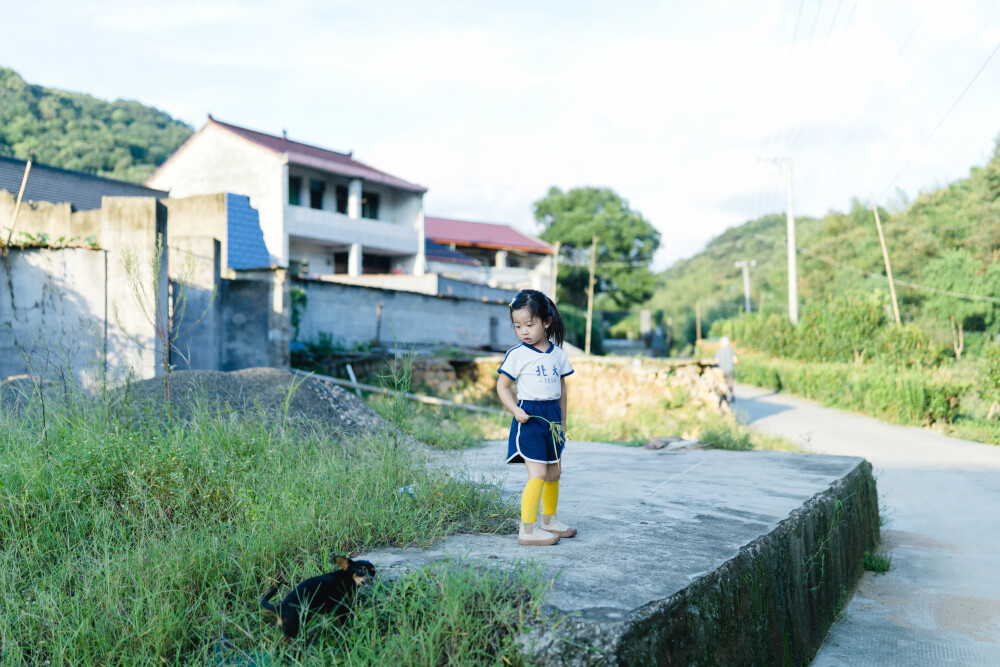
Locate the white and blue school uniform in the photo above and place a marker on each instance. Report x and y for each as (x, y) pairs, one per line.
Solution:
(538, 374)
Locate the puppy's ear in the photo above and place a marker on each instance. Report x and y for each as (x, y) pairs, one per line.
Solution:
(342, 563)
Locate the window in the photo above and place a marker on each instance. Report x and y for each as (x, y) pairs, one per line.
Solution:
(375, 263)
(369, 205)
(294, 190)
(340, 262)
(316, 189)
(342, 199)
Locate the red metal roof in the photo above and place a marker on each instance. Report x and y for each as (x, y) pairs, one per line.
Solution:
(481, 235)
(320, 158)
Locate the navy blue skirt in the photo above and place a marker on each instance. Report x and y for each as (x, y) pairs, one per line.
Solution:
(533, 441)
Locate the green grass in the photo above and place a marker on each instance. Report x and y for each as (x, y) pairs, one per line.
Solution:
(878, 561)
(443, 427)
(708, 426)
(124, 542)
(944, 398)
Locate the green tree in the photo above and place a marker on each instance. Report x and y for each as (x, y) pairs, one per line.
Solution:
(957, 270)
(626, 243)
(122, 139)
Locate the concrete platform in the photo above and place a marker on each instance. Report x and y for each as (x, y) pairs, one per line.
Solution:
(683, 557)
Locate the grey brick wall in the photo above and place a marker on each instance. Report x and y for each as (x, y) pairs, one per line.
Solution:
(348, 314)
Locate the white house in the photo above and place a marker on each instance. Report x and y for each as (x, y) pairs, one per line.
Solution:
(322, 212)
(492, 254)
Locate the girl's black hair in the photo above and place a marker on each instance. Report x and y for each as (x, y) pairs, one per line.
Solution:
(543, 308)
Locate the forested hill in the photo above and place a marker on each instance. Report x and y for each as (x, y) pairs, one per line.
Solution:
(947, 240)
(122, 139)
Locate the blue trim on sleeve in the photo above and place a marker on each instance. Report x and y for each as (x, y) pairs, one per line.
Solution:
(507, 374)
(565, 374)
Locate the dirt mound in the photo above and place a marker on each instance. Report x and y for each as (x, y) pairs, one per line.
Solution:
(263, 392)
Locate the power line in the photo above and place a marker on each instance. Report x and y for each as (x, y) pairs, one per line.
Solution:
(850, 17)
(819, 7)
(836, 12)
(878, 86)
(795, 32)
(922, 288)
(943, 118)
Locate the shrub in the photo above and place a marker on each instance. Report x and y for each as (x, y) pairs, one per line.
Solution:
(904, 396)
(989, 375)
(906, 346)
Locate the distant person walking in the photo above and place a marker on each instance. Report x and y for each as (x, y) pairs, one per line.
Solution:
(727, 359)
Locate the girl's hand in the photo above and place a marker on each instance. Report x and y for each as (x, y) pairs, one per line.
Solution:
(521, 416)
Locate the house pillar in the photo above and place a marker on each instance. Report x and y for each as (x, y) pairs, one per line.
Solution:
(354, 199)
(354, 260)
(420, 261)
(501, 259)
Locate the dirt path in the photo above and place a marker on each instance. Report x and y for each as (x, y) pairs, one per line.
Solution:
(940, 498)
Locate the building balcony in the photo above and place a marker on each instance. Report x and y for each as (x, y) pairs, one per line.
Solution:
(330, 228)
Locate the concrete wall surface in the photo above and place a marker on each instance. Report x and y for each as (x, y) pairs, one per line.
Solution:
(81, 311)
(215, 160)
(51, 322)
(348, 314)
(246, 324)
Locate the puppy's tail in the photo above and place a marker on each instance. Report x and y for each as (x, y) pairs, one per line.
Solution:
(265, 602)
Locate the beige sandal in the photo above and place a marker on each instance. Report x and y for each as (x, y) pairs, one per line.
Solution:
(557, 527)
(531, 535)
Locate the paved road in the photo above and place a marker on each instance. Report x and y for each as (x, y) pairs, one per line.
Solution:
(940, 499)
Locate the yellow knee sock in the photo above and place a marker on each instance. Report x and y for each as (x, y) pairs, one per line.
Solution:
(529, 500)
(550, 497)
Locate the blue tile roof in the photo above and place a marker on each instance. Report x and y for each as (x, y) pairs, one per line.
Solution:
(245, 240)
(59, 186)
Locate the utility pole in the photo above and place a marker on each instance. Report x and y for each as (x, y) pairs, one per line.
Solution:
(888, 269)
(793, 278)
(697, 322)
(555, 271)
(745, 265)
(590, 292)
(793, 282)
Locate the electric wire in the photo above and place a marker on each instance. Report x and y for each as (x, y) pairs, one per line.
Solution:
(941, 122)
(905, 283)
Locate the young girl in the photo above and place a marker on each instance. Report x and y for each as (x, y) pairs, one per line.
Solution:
(539, 366)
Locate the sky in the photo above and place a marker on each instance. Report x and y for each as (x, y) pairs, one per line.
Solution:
(686, 109)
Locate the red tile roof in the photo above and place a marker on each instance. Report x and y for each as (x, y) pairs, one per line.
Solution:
(320, 158)
(481, 235)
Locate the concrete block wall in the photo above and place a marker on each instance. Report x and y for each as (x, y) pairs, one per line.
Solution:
(79, 308)
(51, 321)
(196, 264)
(348, 314)
(52, 291)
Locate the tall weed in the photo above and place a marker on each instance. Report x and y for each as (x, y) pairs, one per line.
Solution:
(126, 542)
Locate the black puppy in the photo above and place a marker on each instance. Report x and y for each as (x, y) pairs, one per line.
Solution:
(330, 592)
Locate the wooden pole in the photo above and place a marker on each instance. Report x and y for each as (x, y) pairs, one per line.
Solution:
(590, 292)
(17, 206)
(430, 400)
(885, 256)
(793, 276)
(555, 272)
(697, 322)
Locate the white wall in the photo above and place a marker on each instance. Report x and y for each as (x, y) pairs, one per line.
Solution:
(215, 160)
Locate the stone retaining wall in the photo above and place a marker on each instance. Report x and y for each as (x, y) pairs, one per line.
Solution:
(622, 387)
(771, 604)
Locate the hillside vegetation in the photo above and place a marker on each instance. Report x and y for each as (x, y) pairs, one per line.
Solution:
(122, 139)
(946, 240)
